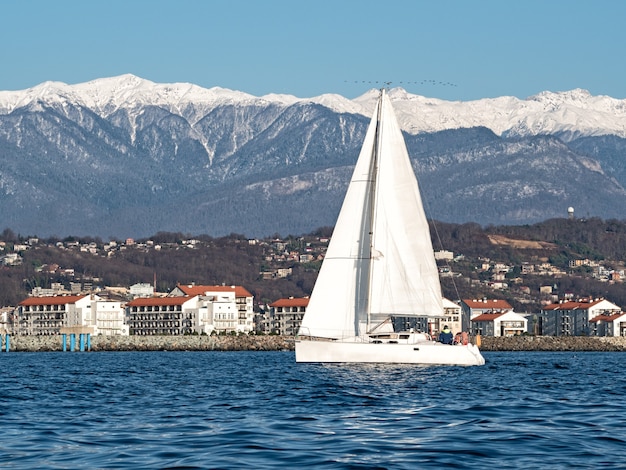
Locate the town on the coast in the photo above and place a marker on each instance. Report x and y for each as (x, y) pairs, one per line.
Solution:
(81, 302)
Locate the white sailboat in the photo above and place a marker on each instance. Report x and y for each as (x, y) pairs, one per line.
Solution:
(379, 264)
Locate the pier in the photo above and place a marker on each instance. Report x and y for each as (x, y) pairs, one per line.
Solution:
(84, 337)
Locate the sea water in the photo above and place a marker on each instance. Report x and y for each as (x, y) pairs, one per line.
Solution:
(262, 410)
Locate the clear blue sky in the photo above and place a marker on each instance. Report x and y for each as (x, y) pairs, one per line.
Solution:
(306, 48)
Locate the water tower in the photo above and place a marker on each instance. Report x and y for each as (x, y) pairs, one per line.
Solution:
(570, 212)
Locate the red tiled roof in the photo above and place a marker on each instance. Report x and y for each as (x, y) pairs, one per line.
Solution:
(291, 302)
(571, 305)
(157, 301)
(52, 300)
(490, 304)
(192, 290)
(612, 317)
(488, 316)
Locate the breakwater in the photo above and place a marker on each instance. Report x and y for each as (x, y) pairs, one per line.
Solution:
(286, 343)
(159, 343)
(551, 343)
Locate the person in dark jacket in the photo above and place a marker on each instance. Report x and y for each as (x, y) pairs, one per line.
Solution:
(445, 336)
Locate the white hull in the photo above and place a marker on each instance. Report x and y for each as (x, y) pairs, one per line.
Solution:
(423, 353)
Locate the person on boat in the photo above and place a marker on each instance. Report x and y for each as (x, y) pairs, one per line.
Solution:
(446, 336)
(461, 337)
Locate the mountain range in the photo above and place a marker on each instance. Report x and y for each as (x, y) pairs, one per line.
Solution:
(125, 157)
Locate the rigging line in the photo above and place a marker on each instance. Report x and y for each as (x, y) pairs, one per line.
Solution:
(434, 225)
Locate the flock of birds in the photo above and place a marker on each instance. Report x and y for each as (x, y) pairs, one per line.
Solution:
(421, 82)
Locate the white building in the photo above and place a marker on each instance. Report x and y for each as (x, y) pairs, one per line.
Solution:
(6, 319)
(108, 317)
(499, 324)
(142, 289)
(218, 312)
(452, 317)
(608, 324)
(244, 302)
(47, 315)
(12, 259)
(80, 313)
(444, 254)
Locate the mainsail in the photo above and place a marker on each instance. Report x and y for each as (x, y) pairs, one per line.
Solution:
(380, 259)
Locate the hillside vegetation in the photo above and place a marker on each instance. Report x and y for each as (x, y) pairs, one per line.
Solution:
(232, 260)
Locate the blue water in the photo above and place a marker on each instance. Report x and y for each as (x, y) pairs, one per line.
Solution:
(261, 410)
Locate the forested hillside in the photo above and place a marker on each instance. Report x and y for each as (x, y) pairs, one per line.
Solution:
(590, 238)
(556, 242)
(234, 260)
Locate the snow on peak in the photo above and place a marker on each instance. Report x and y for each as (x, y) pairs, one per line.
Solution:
(577, 94)
(338, 103)
(575, 111)
(287, 100)
(105, 95)
(130, 91)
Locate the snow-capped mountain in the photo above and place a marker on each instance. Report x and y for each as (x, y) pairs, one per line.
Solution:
(574, 112)
(124, 156)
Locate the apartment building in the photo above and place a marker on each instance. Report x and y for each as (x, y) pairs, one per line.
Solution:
(581, 317)
(506, 323)
(46, 315)
(244, 301)
(286, 315)
(162, 315)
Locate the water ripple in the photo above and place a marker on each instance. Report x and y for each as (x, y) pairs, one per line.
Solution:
(261, 410)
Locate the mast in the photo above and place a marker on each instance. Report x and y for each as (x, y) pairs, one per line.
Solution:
(373, 195)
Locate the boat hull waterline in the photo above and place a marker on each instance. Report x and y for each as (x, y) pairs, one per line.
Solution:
(423, 353)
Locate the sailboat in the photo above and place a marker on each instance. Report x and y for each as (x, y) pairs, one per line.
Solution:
(379, 265)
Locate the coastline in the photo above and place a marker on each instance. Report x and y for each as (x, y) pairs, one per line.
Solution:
(286, 343)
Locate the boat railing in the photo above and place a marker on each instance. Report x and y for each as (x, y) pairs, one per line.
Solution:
(304, 334)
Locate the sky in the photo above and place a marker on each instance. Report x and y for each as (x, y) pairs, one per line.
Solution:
(448, 49)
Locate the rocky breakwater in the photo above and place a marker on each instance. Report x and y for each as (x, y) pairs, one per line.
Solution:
(157, 343)
(285, 343)
(551, 343)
